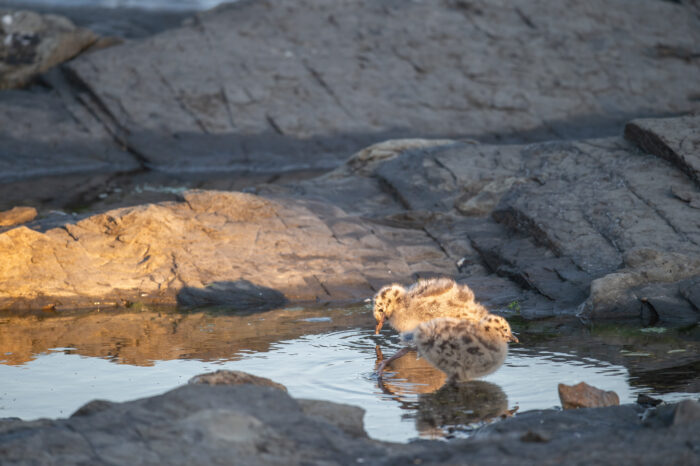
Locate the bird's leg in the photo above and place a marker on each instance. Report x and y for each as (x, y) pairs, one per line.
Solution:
(378, 352)
(386, 362)
(510, 412)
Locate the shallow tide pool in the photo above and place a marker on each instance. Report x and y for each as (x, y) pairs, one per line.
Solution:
(51, 364)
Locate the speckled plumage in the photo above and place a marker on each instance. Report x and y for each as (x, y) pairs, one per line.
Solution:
(463, 349)
(405, 308)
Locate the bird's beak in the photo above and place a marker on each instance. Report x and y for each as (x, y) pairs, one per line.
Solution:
(380, 322)
(514, 339)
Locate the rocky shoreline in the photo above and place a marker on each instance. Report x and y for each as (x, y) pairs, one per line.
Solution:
(255, 422)
(275, 152)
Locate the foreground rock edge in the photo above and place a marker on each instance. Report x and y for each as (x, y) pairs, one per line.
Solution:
(264, 425)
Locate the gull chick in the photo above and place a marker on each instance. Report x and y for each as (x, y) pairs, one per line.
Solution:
(427, 299)
(462, 349)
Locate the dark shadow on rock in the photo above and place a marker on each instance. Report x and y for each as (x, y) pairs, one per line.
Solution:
(240, 295)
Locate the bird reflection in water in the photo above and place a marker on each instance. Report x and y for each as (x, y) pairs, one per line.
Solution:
(441, 407)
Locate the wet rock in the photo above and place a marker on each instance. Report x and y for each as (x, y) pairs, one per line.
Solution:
(17, 215)
(227, 377)
(583, 395)
(676, 140)
(31, 43)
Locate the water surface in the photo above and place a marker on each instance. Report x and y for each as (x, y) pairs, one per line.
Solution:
(53, 363)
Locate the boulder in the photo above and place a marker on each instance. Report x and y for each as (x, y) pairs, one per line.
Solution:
(31, 43)
(203, 424)
(648, 287)
(210, 424)
(240, 250)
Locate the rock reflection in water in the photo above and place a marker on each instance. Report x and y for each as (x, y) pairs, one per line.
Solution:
(141, 336)
(439, 407)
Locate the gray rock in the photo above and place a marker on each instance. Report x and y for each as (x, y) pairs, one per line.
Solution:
(31, 43)
(588, 225)
(195, 423)
(347, 418)
(676, 140)
(262, 425)
(650, 287)
(44, 134)
(303, 83)
(687, 412)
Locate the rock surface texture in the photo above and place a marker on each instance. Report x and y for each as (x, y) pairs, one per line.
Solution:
(590, 227)
(359, 72)
(241, 250)
(583, 395)
(271, 86)
(206, 424)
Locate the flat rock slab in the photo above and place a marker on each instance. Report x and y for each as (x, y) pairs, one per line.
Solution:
(261, 425)
(272, 84)
(593, 227)
(44, 134)
(676, 140)
(215, 248)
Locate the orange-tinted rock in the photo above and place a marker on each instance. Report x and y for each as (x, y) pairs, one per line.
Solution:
(583, 395)
(17, 215)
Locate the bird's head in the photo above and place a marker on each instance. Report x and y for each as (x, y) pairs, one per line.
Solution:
(385, 303)
(499, 327)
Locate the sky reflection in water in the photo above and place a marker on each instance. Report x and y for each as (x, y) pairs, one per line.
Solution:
(56, 364)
